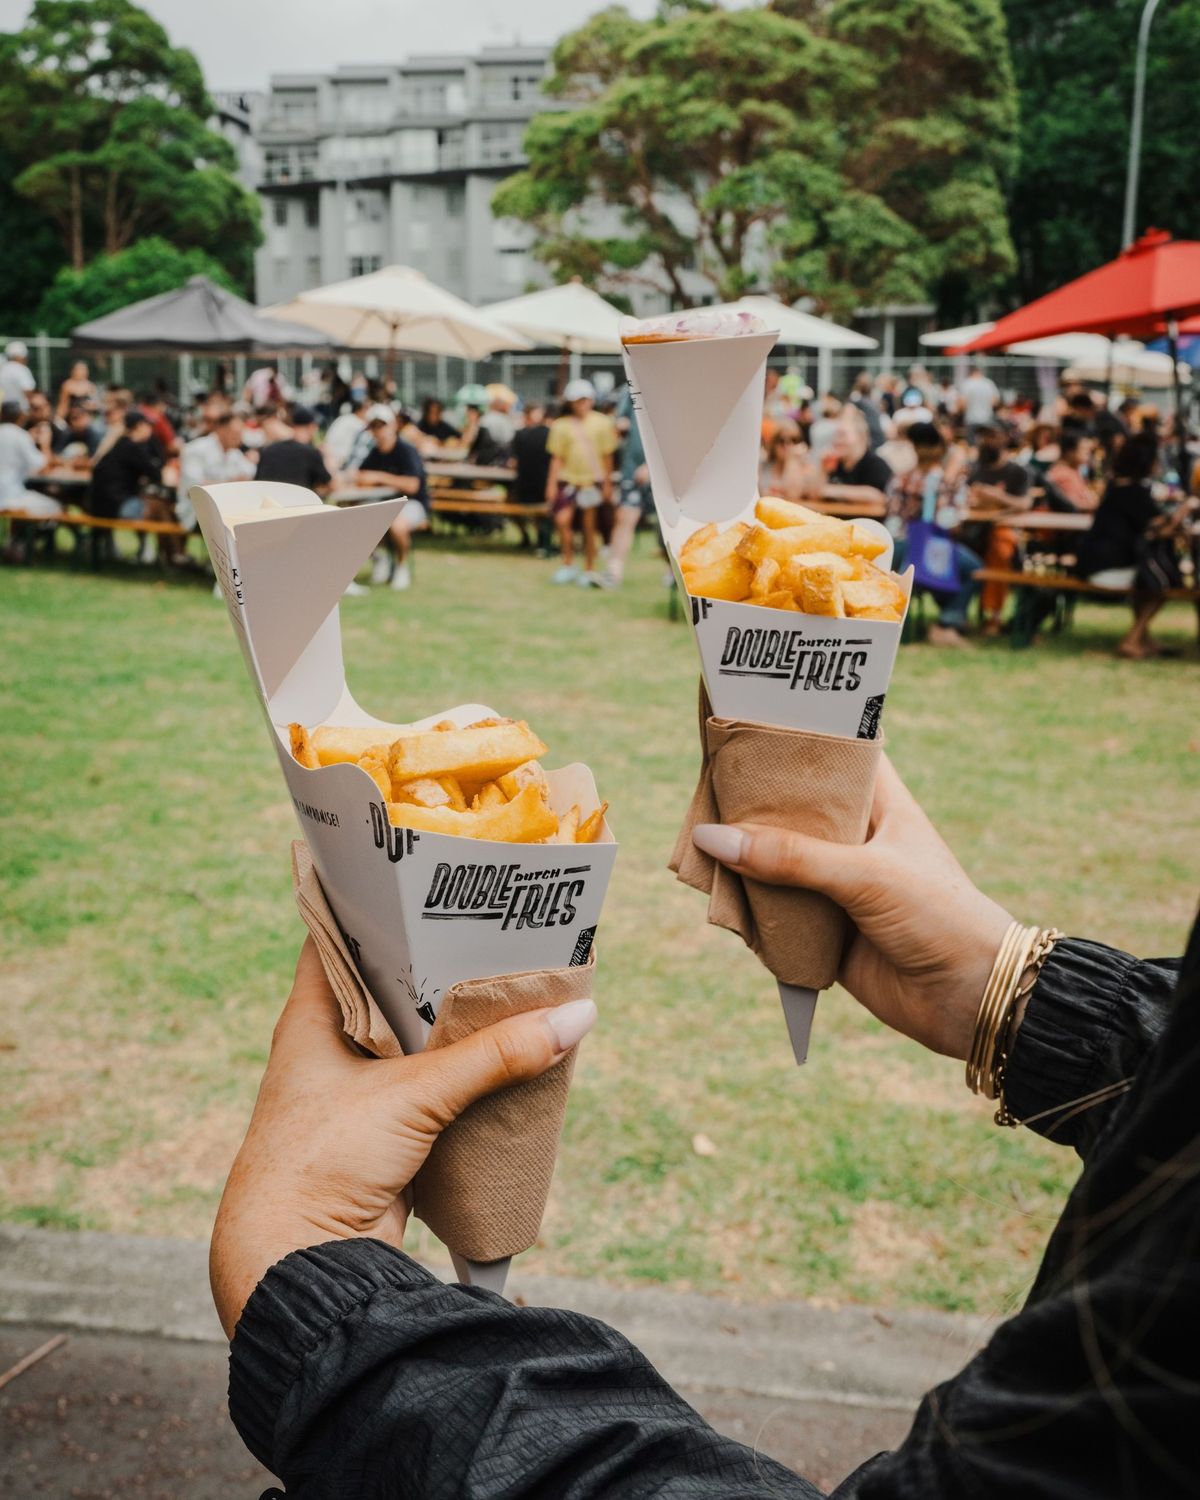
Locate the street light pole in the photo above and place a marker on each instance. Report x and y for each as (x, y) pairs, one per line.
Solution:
(1135, 128)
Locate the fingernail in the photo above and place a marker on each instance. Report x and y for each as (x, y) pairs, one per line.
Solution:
(571, 1021)
(725, 844)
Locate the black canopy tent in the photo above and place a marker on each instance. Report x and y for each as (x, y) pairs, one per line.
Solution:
(197, 318)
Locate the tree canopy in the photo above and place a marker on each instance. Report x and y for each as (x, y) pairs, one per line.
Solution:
(1074, 66)
(104, 122)
(110, 282)
(846, 150)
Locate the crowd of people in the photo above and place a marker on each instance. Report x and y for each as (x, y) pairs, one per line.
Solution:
(945, 461)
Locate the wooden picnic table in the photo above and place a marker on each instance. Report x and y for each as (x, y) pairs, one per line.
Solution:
(1033, 520)
(470, 473)
(359, 494)
(60, 478)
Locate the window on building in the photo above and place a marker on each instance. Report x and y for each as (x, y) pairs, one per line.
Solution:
(427, 98)
(296, 111)
(363, 265)
(280, 211)
(312, 213)
(514, 267)
(456, 202)
(522, 87)
(306, 162)
(499, 143)
(450, 149)
(418, 150)
(277, 166)
(368, 208)
(312, 270)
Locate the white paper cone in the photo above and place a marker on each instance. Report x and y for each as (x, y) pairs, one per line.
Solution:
(799, 1006)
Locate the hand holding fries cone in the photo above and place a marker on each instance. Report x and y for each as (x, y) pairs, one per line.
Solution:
(797, 620)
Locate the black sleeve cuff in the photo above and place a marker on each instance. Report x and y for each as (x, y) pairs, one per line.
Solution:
(1093, 1015)
(290, 1313)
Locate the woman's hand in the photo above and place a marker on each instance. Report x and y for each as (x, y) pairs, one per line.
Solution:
(336, 1137)
(926, 936)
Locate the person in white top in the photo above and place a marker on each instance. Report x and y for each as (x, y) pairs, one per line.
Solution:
(344, 433)
(980, 399)
(16, 378)
(212, 459)
(20, 459)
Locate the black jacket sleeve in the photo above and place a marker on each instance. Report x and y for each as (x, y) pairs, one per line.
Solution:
(354, 1372)
(1094, 1015)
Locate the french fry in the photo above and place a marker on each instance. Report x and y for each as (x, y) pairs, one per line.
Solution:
(892, 616)
(303, 750)
(821, 592)
(728, 578)
(335, 744)
(778, 514)
(488, 795)
(453, 790)
(780, 600)
(708, 545)
(424, 792)
(592, 826)
(471, 755)
(766, 578)
(843, 567)
(375, 765)
(568, 828)
(867, 543)
(524, 820)
(443, 724)
(879, 592)
(530, 774)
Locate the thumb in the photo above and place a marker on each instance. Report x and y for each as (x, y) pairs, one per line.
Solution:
(512, 1051)
(780, 856)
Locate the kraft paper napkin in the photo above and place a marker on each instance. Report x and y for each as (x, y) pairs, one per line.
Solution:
(787, 778)
(484, 1186)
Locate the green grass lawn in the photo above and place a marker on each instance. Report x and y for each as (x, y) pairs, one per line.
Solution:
(148, 932)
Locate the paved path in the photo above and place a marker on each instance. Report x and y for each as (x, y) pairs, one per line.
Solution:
(133, 1403)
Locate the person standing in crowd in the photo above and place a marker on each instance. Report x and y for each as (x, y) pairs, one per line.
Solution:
(925, 495)
(782, 470)
(980, 397)
(16, 378)
(860, 398)
(823, 427)
(393, 463)
(635, 499)
(997, 482)
(492, 443)
(433, 424)
(1131, 543)
(855, 462)
(264, 387)
(21, 457)
(295, 459)
(118, 476)
(1069, 473)
(581, 447)
(154, 407)
(532, 463)
(78, 386)
(40, 413)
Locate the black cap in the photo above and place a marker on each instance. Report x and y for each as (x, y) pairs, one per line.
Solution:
(135, 419)
(303, 416)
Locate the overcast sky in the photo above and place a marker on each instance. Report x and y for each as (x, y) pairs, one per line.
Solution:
(240, 42)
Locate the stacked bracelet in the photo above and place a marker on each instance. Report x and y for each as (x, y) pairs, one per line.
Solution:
(1014, 973)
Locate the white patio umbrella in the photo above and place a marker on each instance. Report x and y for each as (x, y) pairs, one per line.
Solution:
(800, 328)
(950, 338)
(1091, 352)
(398, 308)
(570, 316)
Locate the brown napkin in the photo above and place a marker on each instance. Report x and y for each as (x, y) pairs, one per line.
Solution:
(484, 1186)
(788, 778)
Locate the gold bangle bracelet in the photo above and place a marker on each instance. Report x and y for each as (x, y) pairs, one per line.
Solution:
(1022, 952)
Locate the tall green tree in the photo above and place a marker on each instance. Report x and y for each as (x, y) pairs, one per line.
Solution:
(105, 121)
(1074, 66)
(839, 149)
(110, 282)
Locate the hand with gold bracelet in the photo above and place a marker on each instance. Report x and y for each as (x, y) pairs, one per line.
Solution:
(926, 940)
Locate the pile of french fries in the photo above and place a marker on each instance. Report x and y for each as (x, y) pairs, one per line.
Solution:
(792, 558)
(481, 782)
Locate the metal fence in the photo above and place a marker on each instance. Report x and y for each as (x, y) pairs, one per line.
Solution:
(534, 376)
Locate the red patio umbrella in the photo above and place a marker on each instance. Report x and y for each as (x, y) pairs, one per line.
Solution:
(1149, 290)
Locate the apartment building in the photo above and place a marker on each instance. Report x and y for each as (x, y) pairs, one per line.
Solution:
(396, 163)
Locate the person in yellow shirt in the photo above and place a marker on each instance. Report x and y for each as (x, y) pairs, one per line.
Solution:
(581, 446)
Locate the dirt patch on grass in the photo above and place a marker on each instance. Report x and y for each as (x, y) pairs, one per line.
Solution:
(882, 1246)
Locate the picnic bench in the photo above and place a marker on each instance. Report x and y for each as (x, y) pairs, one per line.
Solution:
(97, 526)
(1061, 590)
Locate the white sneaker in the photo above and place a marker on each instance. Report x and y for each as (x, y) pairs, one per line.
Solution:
(354, 590)
(402, 577)
(610, 578)
(589, 581)
(568, 573)
(381, 569)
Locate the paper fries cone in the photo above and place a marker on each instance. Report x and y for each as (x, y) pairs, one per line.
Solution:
(483, 1189)
(787, 778)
